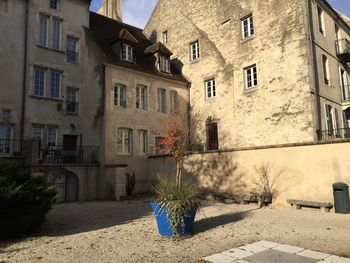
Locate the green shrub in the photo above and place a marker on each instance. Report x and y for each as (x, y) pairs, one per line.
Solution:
(178, 202)
(24, 200)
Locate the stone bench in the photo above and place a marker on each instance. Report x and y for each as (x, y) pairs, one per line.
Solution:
(298, 204)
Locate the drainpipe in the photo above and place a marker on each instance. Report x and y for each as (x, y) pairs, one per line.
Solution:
(315, 68)
(189, 114)
(25, 59)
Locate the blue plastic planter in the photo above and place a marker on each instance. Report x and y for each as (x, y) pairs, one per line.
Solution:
(165, 229)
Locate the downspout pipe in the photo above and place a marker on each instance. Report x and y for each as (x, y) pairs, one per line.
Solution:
(25, 62)
(315, 68)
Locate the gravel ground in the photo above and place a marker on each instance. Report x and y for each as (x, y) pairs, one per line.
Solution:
(126, 232)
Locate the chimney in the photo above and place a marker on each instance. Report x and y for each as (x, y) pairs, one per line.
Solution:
(111, 9)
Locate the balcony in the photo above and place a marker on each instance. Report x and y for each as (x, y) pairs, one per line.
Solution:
(58, 155)
(11, 148)
(334, 135)
(343, 50)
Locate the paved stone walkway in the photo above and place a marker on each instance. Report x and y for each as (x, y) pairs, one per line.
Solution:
(270, 252)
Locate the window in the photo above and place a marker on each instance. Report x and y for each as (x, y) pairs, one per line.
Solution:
(141, 97)
(4, 6)
(161, 100)
(127, 53)
(143, 142)
(344, 84)
(72, 101)
(52, 136)
(6, 113)
(326, 73)
(72, 50)
(5, 137)
(39, 81)
(37, 133)
(120, 95)
(251, 77)
(213, 139)
(54, 4)
(165, 37)
(56, 33)
(159, 147)
(55, 84)
(247, 26)
(164, 64)
(195, 50)
(43, 30)
(124, 141)
(320, 16)
(210, 88)
(174, 101)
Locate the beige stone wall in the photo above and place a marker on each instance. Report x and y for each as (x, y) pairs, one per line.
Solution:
(308, 172)
(135, 119)
(111, 9)
(280, 109)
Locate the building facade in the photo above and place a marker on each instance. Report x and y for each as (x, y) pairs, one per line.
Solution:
(263, 72)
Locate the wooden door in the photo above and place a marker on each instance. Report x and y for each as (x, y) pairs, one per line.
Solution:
(213, 138)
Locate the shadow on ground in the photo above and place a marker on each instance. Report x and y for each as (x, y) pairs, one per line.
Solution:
(208, 223)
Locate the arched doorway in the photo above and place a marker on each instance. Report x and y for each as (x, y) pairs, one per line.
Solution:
(67, 187)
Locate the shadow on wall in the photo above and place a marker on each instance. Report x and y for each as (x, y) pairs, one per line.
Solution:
(215, 173)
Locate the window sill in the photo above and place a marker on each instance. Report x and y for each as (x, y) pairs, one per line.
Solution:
(124, 154)
(250, 90)
(46, 98)
(194, 61)
(48, 48)
(73, 62)
(245, 40)
(72, 114)
(210, 99)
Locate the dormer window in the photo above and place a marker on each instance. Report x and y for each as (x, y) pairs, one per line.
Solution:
(164, 64)
(127, 53)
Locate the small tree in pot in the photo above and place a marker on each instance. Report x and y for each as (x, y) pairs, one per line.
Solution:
(176, 203)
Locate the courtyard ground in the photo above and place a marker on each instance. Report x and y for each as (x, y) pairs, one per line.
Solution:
(126, 232)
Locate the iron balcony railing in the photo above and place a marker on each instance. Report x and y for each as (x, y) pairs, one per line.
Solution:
(59, 155)
(334, 134)
(345, 93)
(343, 49)
(11, 148)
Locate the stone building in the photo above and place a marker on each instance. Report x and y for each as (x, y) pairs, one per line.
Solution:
(263, 72)
(142, 88)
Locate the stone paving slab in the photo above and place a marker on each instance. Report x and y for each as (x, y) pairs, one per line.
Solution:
(270, 252)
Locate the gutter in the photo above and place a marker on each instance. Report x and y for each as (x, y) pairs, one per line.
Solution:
(25, 61)
(315, 67)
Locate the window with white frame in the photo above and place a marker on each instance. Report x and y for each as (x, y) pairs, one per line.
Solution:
(174, 101)
(5, 132)
(326, 72)
(247, 27)
(164, 64)
(72, 101)
(143, 142)
(39, 81)
(52, 134)
(55, 4)
(56, 33)
(124, 141)
(5, 113)
(127, 53)
(141, 97)
(321, 24)
(344, 84)
(165, 37)
(161, 100)
(55, 84)
(43, 30)
(195, 50)
(72, 49)
(251, 77)
(333, 124)
(37, 132)
(120, 95)
(210, 88)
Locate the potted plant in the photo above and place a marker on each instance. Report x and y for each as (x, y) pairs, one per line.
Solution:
(177, 203)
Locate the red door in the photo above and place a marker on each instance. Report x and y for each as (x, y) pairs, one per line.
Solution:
(213, 140)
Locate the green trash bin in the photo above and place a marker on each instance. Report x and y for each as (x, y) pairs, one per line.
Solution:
(341, 198)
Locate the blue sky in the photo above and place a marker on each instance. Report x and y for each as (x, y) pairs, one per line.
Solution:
(137, 12)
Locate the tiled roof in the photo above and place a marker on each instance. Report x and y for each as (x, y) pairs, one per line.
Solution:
(106, 31)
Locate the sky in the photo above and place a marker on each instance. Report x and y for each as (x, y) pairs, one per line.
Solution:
(137, 12)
